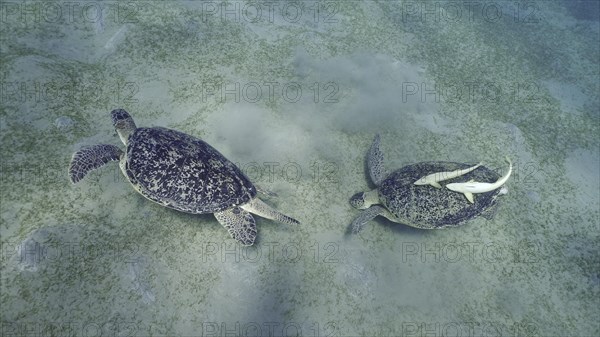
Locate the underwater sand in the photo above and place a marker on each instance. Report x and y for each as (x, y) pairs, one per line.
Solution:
(294, 94)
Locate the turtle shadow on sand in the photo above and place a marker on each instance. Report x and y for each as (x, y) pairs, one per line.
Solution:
(181, 172)
(397, 197)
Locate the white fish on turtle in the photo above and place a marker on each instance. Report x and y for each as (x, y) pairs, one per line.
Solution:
(182, 172)
(434, 179)
(472, 187)
(400, 200)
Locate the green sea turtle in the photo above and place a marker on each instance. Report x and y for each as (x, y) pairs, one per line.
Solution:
(399, 199)
(182, 172)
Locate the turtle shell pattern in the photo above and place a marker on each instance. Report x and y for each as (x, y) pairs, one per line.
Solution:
(428, 207)
(183, 172)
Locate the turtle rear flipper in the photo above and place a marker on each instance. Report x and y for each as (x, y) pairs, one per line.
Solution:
(240, 224)
(365, 216)
(490, 212)
(265, 192)
(258, 207)
(90, 158)
(375, 162)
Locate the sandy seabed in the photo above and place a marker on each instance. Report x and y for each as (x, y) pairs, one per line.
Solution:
(294, 94)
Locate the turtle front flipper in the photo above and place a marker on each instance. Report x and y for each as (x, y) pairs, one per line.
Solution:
(365, 216)
(240, 224)
(259, 208)
(375, 162)
(90, 158)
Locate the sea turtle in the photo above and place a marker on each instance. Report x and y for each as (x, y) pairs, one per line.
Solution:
(401, 200)
(182, 172)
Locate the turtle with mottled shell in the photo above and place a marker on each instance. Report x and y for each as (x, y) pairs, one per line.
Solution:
(400, 200)
(182, 172)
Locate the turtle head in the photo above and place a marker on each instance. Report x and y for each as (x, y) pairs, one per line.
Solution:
(359, 200)
(364, 200)
(123, 123)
